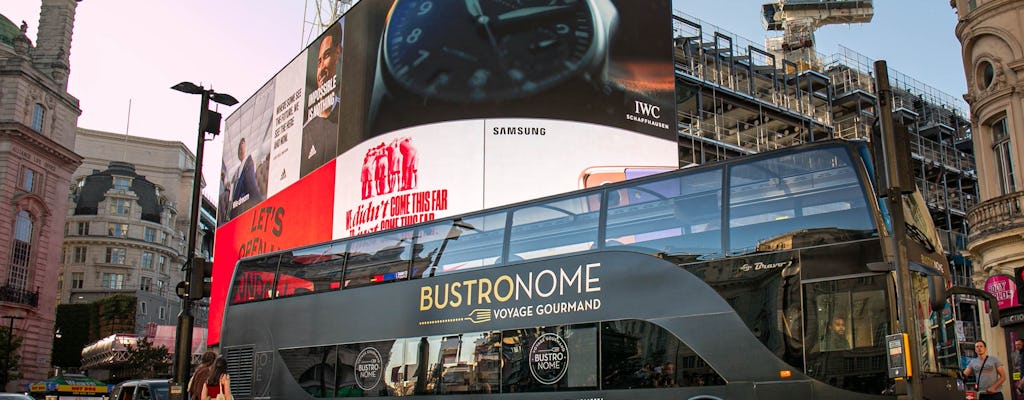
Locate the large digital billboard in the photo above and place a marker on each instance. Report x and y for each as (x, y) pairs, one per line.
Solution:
(425, 109)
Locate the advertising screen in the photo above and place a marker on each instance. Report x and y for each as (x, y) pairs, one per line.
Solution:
(427, 109)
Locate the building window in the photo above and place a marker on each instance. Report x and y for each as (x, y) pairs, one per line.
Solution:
(1004, 155)
(142, 306)
(163, 238)
(120, 206)
(147, 261)
(984, 74)
(971, 5)
(37, 117)
(122, 183)
(60, 282)
(145, 284)
(163, 313)
(77, 280)
(160, 286)
(161, 263)
(112, 281)
(78, 254)
(117, 230)
(115, 255)
(83, 228)
(21, 250)
(29, 179)
(150, 235)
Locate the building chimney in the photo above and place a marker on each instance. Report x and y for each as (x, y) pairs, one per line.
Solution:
(53, 40)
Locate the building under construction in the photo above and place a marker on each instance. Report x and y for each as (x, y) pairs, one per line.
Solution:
(736, 97)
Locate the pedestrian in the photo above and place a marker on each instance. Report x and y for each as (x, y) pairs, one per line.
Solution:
(218, 384)
(195, 385)
(990, 373)
(1017, 358)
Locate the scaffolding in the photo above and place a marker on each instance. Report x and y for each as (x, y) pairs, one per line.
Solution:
(735, 97)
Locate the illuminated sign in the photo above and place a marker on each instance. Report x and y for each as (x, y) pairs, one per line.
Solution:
(1005, 290)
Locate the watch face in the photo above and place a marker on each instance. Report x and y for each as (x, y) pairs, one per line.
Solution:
(486, 50)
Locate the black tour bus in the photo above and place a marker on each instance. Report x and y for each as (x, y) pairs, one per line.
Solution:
(754, 277)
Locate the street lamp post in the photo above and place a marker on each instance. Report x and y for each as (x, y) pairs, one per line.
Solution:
(183, 342)
(7, 358)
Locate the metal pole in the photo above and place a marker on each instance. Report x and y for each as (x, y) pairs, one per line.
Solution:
(183, 345)
(894, 201)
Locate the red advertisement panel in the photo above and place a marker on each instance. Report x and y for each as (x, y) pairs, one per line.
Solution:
(296, 216)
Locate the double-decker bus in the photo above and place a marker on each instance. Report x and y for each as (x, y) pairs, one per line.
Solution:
(761, 277)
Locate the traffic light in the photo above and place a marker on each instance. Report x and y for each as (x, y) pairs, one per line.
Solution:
(212, 123)
(904, 174)
(199, 282)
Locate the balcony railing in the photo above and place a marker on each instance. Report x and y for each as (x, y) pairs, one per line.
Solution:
(995, 215)
(19, 296)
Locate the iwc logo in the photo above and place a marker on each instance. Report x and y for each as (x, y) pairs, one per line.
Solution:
(368, 368)
(549, 359)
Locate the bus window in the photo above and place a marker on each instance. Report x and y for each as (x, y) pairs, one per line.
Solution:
(309, 270)
(361, 369)
(254, 280)
(638, 354)
(774, 206)
(540, 351)
(314, 369)
(557, 227)
(463, 244)
(847, 320)
(379, 258)
(680, 216)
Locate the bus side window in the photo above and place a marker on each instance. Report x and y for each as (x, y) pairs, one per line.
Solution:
(463, 244)
(379, 259)
(254, 279)
(311, 270)
(558, 227)
(678, 216)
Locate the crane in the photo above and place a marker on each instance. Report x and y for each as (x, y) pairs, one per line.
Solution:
(798, 19)
(322, 15)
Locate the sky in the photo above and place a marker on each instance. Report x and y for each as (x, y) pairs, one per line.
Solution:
(126, 54)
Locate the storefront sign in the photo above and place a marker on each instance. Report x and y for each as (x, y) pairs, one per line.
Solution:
(1005, 290)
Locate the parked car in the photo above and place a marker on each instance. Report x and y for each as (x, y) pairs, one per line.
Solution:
(145, 389)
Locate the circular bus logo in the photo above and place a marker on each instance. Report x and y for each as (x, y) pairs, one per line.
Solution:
(368, 368)
(549, 358)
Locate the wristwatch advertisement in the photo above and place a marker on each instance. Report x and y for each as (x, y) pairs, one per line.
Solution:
(464, 59)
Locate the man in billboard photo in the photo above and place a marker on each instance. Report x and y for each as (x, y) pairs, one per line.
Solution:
(246, 189)
(320, 132)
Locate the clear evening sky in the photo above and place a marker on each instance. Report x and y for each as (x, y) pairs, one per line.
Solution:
(135, 50)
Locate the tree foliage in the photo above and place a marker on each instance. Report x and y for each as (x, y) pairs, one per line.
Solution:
(146, 361)
(9, 354)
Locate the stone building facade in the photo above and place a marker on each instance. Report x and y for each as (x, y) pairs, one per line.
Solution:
(991, 33)
(128, 215)
(37, 134)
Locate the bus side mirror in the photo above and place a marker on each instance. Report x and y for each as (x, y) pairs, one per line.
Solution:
(937, 293)
(993, 304)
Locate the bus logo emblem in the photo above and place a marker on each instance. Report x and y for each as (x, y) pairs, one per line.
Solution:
(368, 368)
(549, 358)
